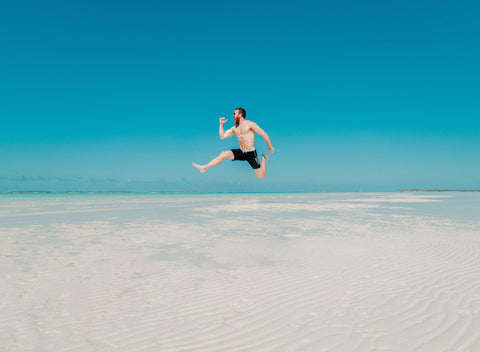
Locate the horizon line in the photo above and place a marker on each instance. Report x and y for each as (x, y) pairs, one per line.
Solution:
(229, 192)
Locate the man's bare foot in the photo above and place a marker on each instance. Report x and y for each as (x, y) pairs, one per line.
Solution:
(199, 167)
(265, 157)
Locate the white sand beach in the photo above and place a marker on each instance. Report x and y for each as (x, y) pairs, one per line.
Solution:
(240, 272)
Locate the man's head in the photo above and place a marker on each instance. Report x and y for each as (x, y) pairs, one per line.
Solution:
(241, 111)
(238, 114)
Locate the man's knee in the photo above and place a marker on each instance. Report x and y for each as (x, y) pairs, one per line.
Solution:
(260, 174)
(227, 154)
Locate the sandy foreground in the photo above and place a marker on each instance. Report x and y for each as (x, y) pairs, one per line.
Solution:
(240, 272)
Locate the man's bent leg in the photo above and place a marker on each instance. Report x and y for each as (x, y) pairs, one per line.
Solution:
(227, 154)
(263, 168)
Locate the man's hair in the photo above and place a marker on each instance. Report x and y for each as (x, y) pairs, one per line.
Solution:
(242, 111)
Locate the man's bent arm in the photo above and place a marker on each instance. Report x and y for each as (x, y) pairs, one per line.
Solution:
(264, 135)
(221, 131)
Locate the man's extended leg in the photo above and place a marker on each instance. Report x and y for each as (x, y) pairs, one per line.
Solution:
(227, 154)
(263, 167)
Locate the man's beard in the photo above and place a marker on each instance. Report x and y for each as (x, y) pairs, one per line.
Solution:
(237, 121)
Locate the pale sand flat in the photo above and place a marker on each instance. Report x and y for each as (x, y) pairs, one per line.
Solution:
(301, 272)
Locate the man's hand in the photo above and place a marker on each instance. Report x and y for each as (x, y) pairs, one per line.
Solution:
(271, 150)
(223, 120)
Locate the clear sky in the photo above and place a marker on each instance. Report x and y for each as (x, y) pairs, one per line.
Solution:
(124, 95)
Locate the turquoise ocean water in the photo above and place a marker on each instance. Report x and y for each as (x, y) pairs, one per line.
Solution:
(43, 208)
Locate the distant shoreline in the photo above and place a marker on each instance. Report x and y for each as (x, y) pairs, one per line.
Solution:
(94, 192)
(438, 190)
(210, 192)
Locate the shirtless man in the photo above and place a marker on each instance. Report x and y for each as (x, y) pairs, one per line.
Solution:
(245, 132)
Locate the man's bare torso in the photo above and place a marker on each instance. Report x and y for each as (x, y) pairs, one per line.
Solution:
(245, 134)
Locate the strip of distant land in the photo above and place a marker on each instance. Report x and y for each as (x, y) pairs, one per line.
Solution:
(169, 192)
(438, 190)
(320, 191)
(77, 192)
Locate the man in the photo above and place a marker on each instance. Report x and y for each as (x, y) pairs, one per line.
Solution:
(245, 131)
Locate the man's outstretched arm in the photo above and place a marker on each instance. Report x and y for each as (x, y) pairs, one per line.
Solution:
(221, 131)
(264, 135)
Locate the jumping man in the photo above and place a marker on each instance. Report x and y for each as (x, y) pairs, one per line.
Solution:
(245, 132)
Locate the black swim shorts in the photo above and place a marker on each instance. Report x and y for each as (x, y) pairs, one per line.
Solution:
(251, 157)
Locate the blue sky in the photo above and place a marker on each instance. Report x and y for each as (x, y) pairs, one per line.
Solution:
(373, 95)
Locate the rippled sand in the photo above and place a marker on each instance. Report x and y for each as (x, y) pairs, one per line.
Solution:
(240, 272)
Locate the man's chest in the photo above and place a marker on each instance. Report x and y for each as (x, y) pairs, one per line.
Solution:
(243, 131)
